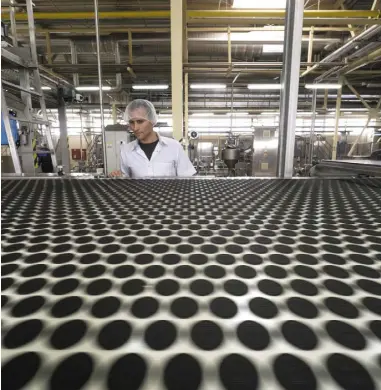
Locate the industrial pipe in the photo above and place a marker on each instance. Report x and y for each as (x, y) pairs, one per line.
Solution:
(374, 56)
(349, 45)
(231, 101)
(194, 14)
(352, 66)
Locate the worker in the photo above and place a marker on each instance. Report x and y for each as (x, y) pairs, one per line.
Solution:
(150, 155)
(45, 159)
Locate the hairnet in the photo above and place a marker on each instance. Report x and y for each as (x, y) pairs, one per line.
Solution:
(149, 109)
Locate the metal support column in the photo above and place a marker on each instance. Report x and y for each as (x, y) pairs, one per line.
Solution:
(48, 48)
(64, 144)
(74, 61)
(12, 19)
(310, 46)
(312, 132)
(130, 59)
(37, 81)
(177, 67)
(229, 47)
(118, 77)
(100, 85)
(353, 34)
(372, 113)
(186, 79)
(26, 145)
(114, 114)
(365, 104)
(325, 103)
(337, 121)
(290, 87)
(186, 106)
(232, 104)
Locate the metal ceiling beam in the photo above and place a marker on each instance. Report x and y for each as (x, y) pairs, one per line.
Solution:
(280, 21)
(163, 30)
(194, 14)
(146, 68)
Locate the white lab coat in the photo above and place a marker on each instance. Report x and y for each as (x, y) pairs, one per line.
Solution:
(168, 159)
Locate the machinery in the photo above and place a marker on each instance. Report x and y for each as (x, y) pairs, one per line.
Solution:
(230, 154)
(265, 152)
(116, 135)
(205, 161)
(252, 154)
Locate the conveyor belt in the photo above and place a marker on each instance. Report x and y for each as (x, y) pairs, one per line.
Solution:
(335, 168)
(191, 284)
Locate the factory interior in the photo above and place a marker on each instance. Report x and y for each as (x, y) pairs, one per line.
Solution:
(260, 271)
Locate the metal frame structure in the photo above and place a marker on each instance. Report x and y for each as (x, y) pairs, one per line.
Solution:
(372, 113)
(177, 31)
(24, 67)
(290, 87)
(100, 85)
(181, 22)
(8, 130)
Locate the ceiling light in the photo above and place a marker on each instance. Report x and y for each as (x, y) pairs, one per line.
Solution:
(272, 49)
(202, 114)
(237, 113)
(258, 36)
(207, 86)
(323, 86)
(269, 113)
(260, 4)
(264, 86)
(154, 86)
(46, 88)
(90, 88)
(304, 114)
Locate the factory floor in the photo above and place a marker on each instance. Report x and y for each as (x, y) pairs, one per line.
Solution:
(191, 284)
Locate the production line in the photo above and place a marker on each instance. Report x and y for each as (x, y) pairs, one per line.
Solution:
(231, 283)
(191, 195)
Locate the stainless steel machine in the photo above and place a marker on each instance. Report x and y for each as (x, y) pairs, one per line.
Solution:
(246, 154)
(205, 160)
(265, 152)
(116, 135)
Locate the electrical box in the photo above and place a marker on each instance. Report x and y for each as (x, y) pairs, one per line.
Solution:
(14, 129)
(76, 154)
(116, 136)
